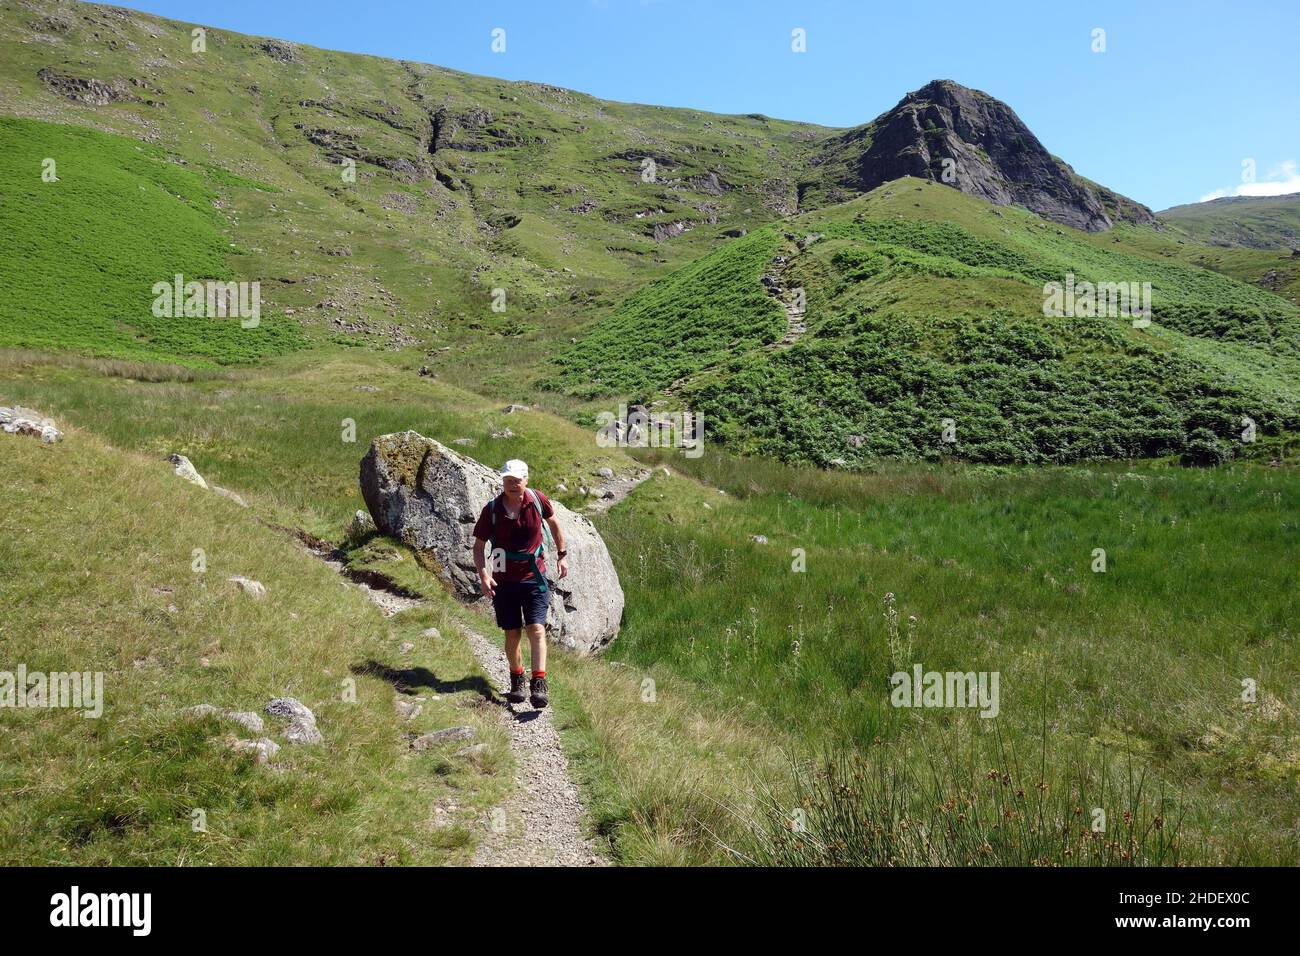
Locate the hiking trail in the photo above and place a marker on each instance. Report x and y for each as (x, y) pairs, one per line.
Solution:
(540, 822)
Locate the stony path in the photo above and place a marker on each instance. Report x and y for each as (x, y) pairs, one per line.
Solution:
(540, 822)
(796, 319)
(618, 488)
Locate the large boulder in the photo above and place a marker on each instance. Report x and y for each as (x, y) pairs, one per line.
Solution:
(429, 497)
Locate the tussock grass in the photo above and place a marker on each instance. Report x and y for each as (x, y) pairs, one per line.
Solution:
(970, 803)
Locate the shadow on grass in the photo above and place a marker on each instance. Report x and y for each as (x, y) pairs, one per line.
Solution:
(411, 679)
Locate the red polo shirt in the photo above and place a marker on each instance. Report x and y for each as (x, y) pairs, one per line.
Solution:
(514, 534)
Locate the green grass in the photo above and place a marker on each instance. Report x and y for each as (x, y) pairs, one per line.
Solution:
(692, 319)
(1259, 222)
(991, 571)
(917, 318)
(86, 250)
(116, 591)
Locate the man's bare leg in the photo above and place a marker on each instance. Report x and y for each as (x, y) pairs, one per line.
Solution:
(512, 650)
(537, 646)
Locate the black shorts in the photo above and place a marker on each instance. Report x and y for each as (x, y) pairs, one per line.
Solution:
(520, 602)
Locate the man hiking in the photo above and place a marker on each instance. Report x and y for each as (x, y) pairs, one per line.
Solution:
(516, 578)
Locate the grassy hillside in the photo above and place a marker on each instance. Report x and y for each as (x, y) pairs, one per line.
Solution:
(86, 249)
(116, 591)
(462, 185)
(924, 305)
(1256, 222)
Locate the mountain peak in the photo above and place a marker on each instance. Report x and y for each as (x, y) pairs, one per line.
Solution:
(969, 140)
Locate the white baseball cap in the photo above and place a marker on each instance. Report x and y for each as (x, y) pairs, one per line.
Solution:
(515, 468)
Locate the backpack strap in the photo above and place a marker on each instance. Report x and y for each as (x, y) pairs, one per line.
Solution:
(529, 556)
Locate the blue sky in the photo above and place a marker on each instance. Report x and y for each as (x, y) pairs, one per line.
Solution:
(1183, 96)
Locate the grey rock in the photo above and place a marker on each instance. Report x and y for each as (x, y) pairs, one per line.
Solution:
(437, 737)
(263, 750)
(405, 647)
(255, 588)
(226, 493)
(302, 722)
(512, 408)
(186, 470)
(360, 526)
(432, 633)
(605, 472)
(758, 538)
(407, 709)
(24, 421)
(429, 497)
(247, 718)
(473, 750)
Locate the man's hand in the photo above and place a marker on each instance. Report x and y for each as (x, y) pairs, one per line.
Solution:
(488, 582)
(564, 566)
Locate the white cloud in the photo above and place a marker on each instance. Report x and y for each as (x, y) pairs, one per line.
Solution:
(1281, 179)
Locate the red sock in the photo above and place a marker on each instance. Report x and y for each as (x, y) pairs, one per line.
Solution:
(514, 670)
(539, 673)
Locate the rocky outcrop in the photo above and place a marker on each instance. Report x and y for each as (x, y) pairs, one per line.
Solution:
(301, 728)
(84, 89)
(429, 497)
(984, 149)
(24, 421)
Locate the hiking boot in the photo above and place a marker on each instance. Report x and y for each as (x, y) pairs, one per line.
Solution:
(538, 692)
(516, 693)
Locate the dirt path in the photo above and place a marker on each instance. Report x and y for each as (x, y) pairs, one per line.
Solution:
(540, 823)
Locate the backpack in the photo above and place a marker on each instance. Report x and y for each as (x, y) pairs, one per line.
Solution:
(530, 556)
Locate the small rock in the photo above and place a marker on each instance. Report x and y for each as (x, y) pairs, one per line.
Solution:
(247, 718)
(432, 633)
(264, 750)
(512, 408)
(462, 441)
(561, 487)
(201, 710)
(758, 539)
(256, 588)
(237, 499)
(504, 433)
(425, 741)
(302, 722)
(407, 709)
(405, 647)
(360, 525)
(184, 469)
(473, 750)
(605, 472)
